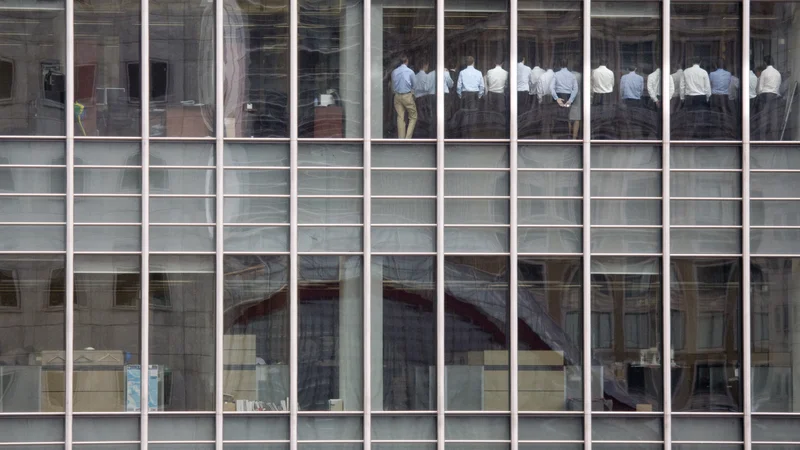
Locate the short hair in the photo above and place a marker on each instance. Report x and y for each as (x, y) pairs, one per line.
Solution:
(499, 60)
(631, 68)
(522, 58)
(564, 63)
(470, 60)
(697, 60)
(403, 58)
(767, 60)
(721, 64)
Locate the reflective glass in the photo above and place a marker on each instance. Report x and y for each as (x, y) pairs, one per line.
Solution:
(106, 332)
(182, 333)
(626, 70)
(255, 427)
(108, 428)
(401, 428)
(476, 49)
(38, 429)
(626, 334)
(32, 69)
(330, 338)
(107, 49)
(476, 333)
(404, 334)
(32, 359)
(706, 357)
(256, 333)
(404, 69)
(628, 429)
(706, 63)
(256, 50)
(181, 69)
(549, 40)
(330, 36)
(475, 428)
(550, 328)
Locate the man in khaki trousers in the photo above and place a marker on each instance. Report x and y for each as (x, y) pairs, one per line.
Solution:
(403, 88)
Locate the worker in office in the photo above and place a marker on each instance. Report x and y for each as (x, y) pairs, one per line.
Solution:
(719, 105)
(564, 89)
(531, 119)
(523, 86)
(768, 93)
(631, 86)
(544, 108)
(695, 93)
(403, 88)
(425, 97)
(496, 83)
(470, 85)
(449, 97)
(602, 85)
(654, 90)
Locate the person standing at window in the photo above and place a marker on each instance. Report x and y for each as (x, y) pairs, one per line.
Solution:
(425, 96)
(602, 80)
(470, 86)
(523, 86)
(564, 89)
(631, 86)
(544, 115)
(695, 92)
(403, 87)
(768, 92)
(720, 93)
(496, 83)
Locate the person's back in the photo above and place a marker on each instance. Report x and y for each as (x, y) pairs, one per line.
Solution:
(496, 79)
(695, 82)
(543, 84)
(631, 86)
(720, 80)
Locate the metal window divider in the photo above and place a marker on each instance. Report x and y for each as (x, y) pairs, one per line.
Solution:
(69, 275)
(586, 262)
(293, 259)
(440, 291)
(144, 368)
(367, 222)
(745, 366)
(219, 235)
(666, 308)
(513, 357)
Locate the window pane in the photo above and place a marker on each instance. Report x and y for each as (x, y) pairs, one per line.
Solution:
(256, 48)
(403, 239)
(404, 59)
(330, 69)
(107, 291)
(626, 70)
(706, 60)
(256, 337)
(476, 333)
(258, 239)
(476, 49)
(330, 336)
(106, 69)
(706, 360)
(626, 332)
(404, 334)
(182, 331)
(550, 329)
(400, 428)
(181, 68)
(32, 69)
(29, 285)
(549, 39)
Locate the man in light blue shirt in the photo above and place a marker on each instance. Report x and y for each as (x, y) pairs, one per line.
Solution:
(422, 84)
(470, 85)
(564, 89)
(631, 86)
(720, 103)
(403, 87)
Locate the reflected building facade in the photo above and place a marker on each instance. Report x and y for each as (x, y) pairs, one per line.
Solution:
(400, 225)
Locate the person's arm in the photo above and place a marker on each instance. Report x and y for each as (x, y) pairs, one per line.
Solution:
(707, 87)
(671, 87)
(460, 86)
(448, 80)
(652, 87)
(574, 90)
(481, 86)
(682, 91)
(553, 87)
(485, 89)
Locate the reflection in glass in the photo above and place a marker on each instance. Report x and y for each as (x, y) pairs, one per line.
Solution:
(626, 334)
(626, 73)
(107, 54)
(706, 64)
(476, 333)
(408, 32)
(476, 45)
(182, 331)
(181, 68)
(706, 341)
(330, 68)
(550, 330)
(32, 336)
(404, 333)
(330, 298)
(773, 70)
(256, 333)
(548, 34)
(256, 49)
(32, 69)
(107, 320)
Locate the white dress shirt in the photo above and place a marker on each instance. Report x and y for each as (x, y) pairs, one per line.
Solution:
(769, 82)
(677, 77)
(734, 88)
(602, 80)
(536, 73)
(753, 84)
(496, 80)
(523, 77)
(543, 84)
(695, 82)
(654, 85)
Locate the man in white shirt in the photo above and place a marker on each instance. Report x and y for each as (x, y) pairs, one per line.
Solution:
(767, 95)
(496, 84)
(425, 96)
(695, 93)
(603, 111)
(675, 98)
(536, 73)
(544, 100)
(523, 86)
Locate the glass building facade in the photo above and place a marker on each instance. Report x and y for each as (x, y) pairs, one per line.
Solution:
(399, 224)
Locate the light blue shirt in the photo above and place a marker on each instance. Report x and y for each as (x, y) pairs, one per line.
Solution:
(564, 82)
(631, 86)
(402, 80)
(470, 80)
(422, 84)
(448, 81)
(720, 81)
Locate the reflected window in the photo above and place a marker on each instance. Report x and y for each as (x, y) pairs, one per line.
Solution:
(6, 79)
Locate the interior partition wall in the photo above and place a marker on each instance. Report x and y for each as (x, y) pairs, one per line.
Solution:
(213, 237)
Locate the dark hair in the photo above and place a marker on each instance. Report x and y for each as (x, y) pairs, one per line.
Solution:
(767, 60)
(564, 63)
(631, 68)
(721, 64)
(499, 60)
(403, 58)
(522, 59)
(470, 60)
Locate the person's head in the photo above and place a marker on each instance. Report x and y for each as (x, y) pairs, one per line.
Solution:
(721, 64)
(522, 59)
(563, 63)
(499, 61)
(697, 60)
(404, 59)
(767, 60)
(470, 60)
(760, 69)
(631, 68)
(424, 65)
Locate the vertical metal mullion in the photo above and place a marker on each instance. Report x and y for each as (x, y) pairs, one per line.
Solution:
(219, 273)
(367, 258)
(69, 277)
(513, 358)
(587, 276)
(440, 124)
(293, 302)
(666, 277)
(144, 76)
(745, 99)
